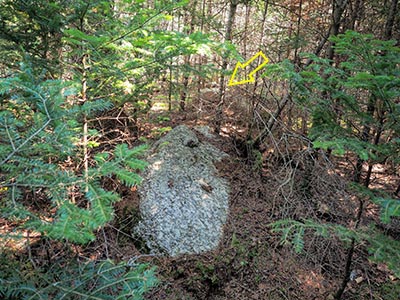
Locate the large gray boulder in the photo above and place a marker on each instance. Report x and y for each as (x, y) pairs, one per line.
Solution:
(183, 202)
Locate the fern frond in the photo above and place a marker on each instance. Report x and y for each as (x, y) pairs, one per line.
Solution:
(128, 178)
(122, 151)
(136, 164)
(92, 107)
(101, 205)
(389, 208)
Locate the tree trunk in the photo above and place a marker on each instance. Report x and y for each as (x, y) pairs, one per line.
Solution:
(338, 9)
(350, 252)
(201, 60)
(246, 27)
(221, 94)
(170, 86)
(83, 100)
(377, 139)
(296, 49)
(184, 91)
(354, 14)
(253, 93)
(390, 19)
(185, 84)
(365, 136)
(85, 126)
(397, 192)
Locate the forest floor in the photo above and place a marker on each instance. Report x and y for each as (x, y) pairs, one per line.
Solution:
(251, 262)
(286, 181)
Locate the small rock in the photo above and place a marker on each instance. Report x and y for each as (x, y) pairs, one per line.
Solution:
(359, 279)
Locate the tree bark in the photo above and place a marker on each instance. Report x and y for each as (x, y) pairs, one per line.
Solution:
(221, 94)
(365, 136)
(185, 84)
(338, 9)
(355, 13)
(253, 93)
(390, 20)
(296, 49)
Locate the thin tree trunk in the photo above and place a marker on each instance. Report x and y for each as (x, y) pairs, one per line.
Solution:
(304, 122)
(246, 26)
(377, 139)
(85, 125)
(397, 192)
(184, 91)
(170, 86)
(355, 13)
(350, 252)
(84, 99)
(201, 61)
(185, 84)
(264, 19)
(221, 95)
(390, 19)
(365, 136)
(320, 46)
(296, 49)
(339, 7)
(253, 93)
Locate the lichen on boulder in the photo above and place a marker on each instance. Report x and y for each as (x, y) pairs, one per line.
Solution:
(184, 203)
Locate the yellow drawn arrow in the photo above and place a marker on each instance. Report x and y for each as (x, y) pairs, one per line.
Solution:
(250, 77)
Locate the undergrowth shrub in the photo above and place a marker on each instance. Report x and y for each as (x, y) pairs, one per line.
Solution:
(354, 104)
(40, 132)
(45, 189)
(90, 280)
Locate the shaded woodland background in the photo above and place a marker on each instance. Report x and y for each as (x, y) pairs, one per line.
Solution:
(314, 145)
